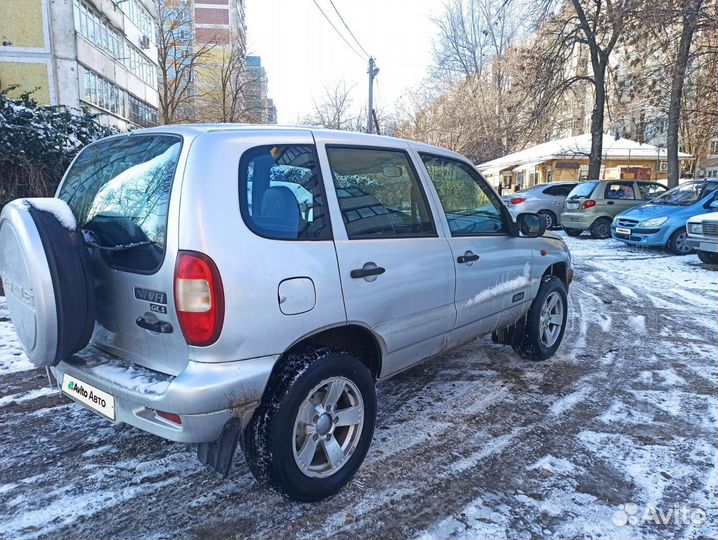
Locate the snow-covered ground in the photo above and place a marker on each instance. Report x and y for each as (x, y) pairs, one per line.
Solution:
(614, 437)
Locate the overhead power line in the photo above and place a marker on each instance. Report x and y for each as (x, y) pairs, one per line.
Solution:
(347, 27)
(338, 32)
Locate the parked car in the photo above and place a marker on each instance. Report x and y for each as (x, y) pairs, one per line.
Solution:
(662, 222)
(592, 205)
(547, 200)
(703, 235)
(220, 303)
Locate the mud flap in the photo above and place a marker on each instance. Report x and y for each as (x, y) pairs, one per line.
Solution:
(218, 454)
(512, 334)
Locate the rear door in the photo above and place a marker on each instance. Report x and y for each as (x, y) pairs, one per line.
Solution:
(493, 268)
(396, 269)
(619, 196)
(120, 192)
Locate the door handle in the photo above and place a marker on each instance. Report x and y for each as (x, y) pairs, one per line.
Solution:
(366, 272)
(610, 202)
(468, 257)
(161, 327)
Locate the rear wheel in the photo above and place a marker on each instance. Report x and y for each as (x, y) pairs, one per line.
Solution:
(550, 219)
(601, 228)
(314, 425)
(678, 243)
(707, 258)
(572, 232)
(545, 322)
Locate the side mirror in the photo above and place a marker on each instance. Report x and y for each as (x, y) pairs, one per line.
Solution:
(531, 225)
(713, 204)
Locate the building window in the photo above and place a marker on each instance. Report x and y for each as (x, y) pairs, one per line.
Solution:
(139, 16)
(714, 147)
(103, 93)
(103, 35)
(141, 113)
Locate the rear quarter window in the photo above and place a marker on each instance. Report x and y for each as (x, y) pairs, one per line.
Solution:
(119, 190)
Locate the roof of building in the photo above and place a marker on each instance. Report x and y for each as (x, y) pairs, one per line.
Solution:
(578, 147)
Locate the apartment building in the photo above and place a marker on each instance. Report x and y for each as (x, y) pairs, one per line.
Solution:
(99, 54)
(260, 106)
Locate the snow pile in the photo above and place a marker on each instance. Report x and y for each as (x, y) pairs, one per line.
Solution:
(57, 208)
(133, 378)
(503, 288)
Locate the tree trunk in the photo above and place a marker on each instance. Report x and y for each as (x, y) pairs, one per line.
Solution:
(599, 108)
(690, 19)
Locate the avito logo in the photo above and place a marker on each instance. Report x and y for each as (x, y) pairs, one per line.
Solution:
(78, 389)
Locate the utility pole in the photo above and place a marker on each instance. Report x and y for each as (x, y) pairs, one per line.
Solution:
(373, 70)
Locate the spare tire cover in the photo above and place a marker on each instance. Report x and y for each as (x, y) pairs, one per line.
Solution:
(47, 275)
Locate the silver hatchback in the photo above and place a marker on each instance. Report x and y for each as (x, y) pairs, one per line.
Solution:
(547, 200)
(225, 284)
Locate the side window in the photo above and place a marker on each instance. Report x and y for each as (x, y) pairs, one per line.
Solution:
(379, 193)
(649, 191)
(281, 193)
(620, 190)
(565, 189)
(471, 207)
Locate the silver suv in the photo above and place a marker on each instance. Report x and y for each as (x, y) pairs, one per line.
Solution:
(225, 284)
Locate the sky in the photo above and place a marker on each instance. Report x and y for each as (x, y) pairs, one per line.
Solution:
(302, 53)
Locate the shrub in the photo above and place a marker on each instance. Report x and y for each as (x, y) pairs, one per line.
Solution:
(37, 144)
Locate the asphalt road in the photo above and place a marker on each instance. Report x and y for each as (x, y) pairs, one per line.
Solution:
(476, 443)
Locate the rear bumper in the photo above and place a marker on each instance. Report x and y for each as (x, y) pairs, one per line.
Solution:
(204, 395)
(579, 221)
(643, 237)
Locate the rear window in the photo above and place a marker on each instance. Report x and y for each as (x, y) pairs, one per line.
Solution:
(583, 191)
(119, 191)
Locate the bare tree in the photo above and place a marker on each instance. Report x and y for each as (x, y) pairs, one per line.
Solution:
(229, 86)
(178, 57)
(334, 109)
(690, 15)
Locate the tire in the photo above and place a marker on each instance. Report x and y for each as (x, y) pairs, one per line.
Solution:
(48, 280)
(601, 228)
(533, 346)
(707, 257)
(275, 436)
(550, 218)
(677, 243)
(572, 232)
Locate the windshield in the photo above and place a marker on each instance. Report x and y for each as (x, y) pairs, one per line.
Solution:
(687, 194)
(582, 191)
(119, 191)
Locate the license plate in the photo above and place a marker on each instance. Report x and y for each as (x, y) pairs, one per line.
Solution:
(572, 205)
(94, 398)
(621, 230)
(706, 246)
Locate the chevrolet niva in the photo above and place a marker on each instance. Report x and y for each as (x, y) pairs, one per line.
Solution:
(227, 285)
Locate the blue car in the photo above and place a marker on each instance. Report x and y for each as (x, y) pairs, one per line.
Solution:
(662, 222)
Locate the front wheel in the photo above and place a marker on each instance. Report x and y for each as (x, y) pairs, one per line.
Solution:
(707, 257)
(678, 243)
(314, 425)
(545, 322)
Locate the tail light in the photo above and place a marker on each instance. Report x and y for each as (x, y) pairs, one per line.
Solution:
(588, 204)
(517, 200)
(199, 298)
